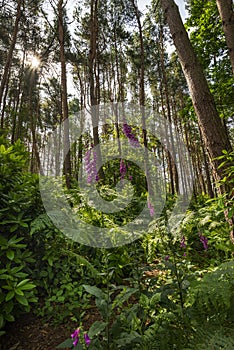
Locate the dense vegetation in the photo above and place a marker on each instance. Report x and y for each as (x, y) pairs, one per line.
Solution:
(172, 286)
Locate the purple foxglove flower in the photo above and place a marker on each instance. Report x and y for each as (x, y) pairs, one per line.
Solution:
(87, 339)
(76, 341)
(130, 177)
(204, 241)
(91, 166)
(182, 243)
(122, 169)
(75, 333)
(127, 130)
(75, 336)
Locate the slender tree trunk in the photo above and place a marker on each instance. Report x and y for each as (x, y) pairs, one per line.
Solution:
(66, 136)
(142, 95)
(213, 132)
(10, 53)
(93, 83)
(226, 12)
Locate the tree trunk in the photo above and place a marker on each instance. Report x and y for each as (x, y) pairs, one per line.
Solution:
(213, 132)
(226, 12)
(10, 53)
(93, 83)
(66, 137)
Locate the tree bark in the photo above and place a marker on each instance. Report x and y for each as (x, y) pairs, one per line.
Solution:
(226, 12)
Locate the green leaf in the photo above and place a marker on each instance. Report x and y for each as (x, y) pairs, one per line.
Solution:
(19, 291)
(10, 254)
(14, 240)
(10, 295)
(8, 307)
(10, 318)
(21, 299)
(24, 285)
(97, 292)
(96, 328)
(66, 344)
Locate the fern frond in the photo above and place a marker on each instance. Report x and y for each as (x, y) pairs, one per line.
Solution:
(40, 223)
(212, 338)
(82, 261)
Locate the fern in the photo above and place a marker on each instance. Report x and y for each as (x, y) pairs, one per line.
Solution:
(40, 223)
(82, 261)
(212, 296)
(212, 338)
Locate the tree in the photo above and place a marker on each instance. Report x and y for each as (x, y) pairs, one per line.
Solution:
(226, 12)
(213, 131)
(61, 32)
(7, 67)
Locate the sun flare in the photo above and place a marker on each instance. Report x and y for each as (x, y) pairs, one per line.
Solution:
(35, 62)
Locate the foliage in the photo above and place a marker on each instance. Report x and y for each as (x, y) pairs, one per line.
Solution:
(16, 289)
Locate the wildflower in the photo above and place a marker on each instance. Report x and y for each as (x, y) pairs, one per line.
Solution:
(91, 166)
(75, 336)
(204, 241)
(167, 257)
(87, 339)
(182, 243)
(127, 130)
(122, 169)
(130, 177)
(151, 208)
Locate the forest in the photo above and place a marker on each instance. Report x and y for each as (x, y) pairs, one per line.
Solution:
(116, 174)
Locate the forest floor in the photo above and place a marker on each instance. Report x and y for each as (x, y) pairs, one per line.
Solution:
(30, 332)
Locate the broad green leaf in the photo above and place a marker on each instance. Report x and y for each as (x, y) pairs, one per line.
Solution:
(10, 318)
(18, 291)
(21, 299)
(10, 295)
(8, 307)
(66, 344)
(10, 254)
(96, 328)
(97, 292)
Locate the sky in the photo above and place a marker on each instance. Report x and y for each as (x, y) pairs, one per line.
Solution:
(143, 3)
